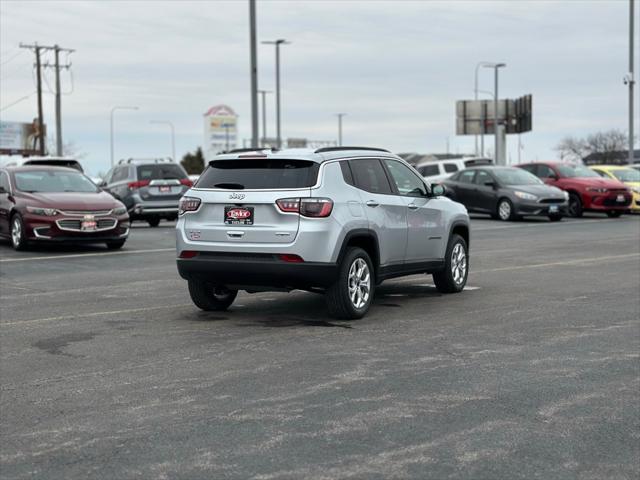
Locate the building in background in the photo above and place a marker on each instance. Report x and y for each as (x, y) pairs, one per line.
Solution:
(220, 130)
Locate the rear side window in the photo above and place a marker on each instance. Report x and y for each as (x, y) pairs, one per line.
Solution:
(429, 170)
(259, 174)
(160, 171)
(120, 174)
(466, 176)
(450, 167)
(346, 173)
(369, 176)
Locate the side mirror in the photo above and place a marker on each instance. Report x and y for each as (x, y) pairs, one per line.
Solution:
(437, 190)
(493, 185)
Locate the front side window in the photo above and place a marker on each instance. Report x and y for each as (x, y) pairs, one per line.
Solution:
(369, 176)
(545, 171)
(51, 181)
(407, 182)
(570, 170)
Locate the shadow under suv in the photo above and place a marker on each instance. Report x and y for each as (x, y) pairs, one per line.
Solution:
(150, 189)
(336, 220)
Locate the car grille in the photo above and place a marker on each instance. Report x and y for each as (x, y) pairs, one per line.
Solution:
(82, 213)
(612, 202)
(75, 225)
(552, 200)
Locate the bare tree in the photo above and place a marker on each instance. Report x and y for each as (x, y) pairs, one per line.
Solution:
(69, 149)
(572, 148)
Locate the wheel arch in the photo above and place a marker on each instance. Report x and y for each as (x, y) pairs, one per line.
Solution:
(367, 240)
(460, 228)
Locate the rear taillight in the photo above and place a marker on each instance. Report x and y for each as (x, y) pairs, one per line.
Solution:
(188, 254)
(188, 204)
(307, 207)
(186, 182)
(138, 184)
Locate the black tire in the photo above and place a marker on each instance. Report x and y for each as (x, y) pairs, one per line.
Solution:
(506, 204)
(614, 213)
(153, 222)
(338, 299)
(555, 218)
(116, 244)
(575, 205)
(20, 241)
(209, 297)
(445, 280)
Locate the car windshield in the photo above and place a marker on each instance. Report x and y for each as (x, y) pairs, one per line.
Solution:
(568, 170)
(50, 181)
(627, 175)
(515, 176)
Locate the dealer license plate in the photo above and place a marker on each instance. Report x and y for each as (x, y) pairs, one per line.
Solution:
(238, 215)
(620, 199)
(553, 208)
(165, 189)
(88, 225)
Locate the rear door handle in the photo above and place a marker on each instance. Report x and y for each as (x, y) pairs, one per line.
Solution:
(372, 203)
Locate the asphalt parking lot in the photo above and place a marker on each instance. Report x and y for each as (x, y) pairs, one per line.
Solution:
(108, 371)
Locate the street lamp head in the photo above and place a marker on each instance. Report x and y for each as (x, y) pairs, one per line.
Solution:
(280, 41)
(493, 65)
(500, 65)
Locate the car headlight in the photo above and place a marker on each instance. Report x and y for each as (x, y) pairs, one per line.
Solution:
(566, 195)
(525, 196)
(635, 189)
(119, 211)
(597, 190)
(45, 212)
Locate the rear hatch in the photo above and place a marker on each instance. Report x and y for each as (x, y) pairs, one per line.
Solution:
(162, 181)
(239, 200)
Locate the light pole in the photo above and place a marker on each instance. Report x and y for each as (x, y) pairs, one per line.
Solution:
(264, 115)
(495, 67)
(277, 43)
(340, 115)
(253, 37)
(475, 90)
(111, 118)
(173, 135)
(631, 80)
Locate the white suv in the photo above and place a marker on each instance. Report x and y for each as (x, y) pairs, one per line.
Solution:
(337, 220)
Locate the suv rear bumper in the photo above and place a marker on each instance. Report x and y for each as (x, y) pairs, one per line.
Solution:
(256, 270)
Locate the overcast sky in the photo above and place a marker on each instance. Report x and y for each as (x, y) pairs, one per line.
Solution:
(395, 67)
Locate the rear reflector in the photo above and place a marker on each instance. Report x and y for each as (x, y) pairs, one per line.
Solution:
(188, 254)
(186, 182)
(291, 258)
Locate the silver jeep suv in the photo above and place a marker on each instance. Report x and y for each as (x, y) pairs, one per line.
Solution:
(336, 220)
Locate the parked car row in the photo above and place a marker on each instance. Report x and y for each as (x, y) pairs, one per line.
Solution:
(552, 189)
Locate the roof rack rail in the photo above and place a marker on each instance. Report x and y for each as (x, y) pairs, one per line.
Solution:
(337, 149)
(245, 150)
(145, 160)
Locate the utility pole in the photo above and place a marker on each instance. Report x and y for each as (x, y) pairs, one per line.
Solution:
(277, 43)
(340, 115)
(254, 74)
(264, 116)
(631, 79)
(36, 48)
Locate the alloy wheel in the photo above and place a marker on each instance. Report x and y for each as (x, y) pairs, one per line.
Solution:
(359, 283)
(458, 264)
(16, 232)
(504, 210)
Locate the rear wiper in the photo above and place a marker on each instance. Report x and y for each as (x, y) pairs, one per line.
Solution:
(232, 186)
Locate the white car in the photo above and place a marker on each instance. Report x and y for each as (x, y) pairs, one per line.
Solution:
(435, 171)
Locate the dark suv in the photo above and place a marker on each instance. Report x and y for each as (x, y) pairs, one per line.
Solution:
(150, 189)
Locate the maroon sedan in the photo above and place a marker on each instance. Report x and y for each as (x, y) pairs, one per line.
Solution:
(55, 204)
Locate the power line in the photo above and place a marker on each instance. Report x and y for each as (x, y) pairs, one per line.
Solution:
(21, 99)
(12, 57)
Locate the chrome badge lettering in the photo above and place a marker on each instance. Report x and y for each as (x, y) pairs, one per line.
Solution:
(236, 196)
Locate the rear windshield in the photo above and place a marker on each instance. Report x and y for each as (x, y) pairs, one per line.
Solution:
(478, 161)
(259, 174)
(160, 171)
(56, 163)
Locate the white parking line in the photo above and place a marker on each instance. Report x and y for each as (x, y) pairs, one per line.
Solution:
(531, 225)
(555, 264)
(82, 255)
(96, 314)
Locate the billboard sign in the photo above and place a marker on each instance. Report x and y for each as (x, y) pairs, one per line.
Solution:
(18, 138)
(476, 117)
(220, 130)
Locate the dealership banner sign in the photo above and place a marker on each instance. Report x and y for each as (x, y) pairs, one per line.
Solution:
(220, 130)
(18, 138)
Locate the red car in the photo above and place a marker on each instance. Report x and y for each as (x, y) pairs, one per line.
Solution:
(587, 190)
(56, 204)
